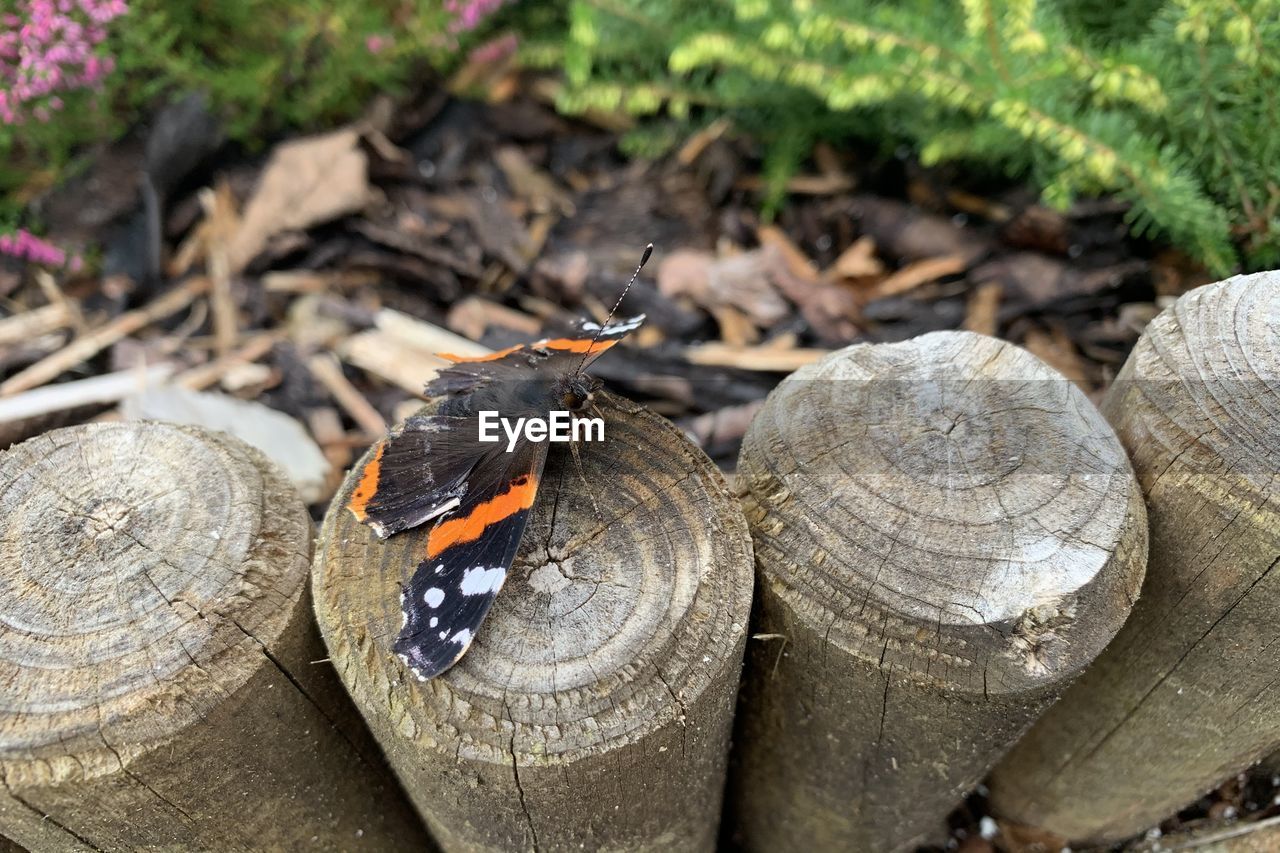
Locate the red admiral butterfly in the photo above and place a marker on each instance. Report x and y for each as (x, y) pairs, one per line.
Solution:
(479, 494)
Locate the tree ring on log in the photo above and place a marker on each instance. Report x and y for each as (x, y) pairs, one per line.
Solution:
(949, 505)
(134, 597)
(608, 627)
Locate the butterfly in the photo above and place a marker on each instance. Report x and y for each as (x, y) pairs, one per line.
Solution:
(477, 494)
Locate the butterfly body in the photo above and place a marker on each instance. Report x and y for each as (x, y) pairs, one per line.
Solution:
(477, 495)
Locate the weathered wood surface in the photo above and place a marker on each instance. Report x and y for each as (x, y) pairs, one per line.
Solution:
(1187, 693)
(593, 710)
(946, 532)
(158, 656)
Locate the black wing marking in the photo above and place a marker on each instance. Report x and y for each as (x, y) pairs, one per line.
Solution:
(417, 473)
(469, 553)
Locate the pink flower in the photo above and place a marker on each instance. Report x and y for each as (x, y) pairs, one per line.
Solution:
(51, 46)
(468, 14)
(25, 246)
(375, 44)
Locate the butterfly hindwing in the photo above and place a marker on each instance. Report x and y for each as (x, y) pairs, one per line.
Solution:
(468, 555)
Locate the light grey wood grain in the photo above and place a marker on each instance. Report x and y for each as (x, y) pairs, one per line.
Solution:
(157, 656)
(1187, 693)
(946, 532)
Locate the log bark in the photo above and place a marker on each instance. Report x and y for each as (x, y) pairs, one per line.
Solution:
(946, 532)
(593, 709)
(1186, 695)
(163, 690)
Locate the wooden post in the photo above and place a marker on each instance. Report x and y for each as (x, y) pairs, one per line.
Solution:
(1187, 693)
(593, 710)
(946, 532)
(159, 660)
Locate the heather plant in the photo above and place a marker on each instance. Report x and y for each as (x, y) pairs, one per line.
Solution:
(1174, 110)
(73, 72)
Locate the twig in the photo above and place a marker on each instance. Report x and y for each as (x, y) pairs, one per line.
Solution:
(94, 342)
(108, 388)
(23, 327)
(56, 297)
(223, 224)
(326, 369)
(254, 348)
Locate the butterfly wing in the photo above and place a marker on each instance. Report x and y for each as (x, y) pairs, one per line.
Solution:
(417, 473)
(468, 555)
(586, 342)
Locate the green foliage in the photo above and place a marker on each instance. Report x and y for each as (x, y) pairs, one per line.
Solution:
(265, 66)
(1170, 105)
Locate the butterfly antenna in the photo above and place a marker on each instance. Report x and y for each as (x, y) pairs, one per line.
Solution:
(644, 259)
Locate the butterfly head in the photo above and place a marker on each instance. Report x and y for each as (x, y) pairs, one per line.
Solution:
(577, 392)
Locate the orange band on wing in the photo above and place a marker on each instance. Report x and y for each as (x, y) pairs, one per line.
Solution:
(470, 527)
(368, 485)
(493, 356)
(575, 345)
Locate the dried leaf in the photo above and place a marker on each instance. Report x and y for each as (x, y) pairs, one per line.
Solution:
(312, 180)
(742, 281)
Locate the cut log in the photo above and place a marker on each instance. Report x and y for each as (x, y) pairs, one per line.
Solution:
(946, 533)
(163, 684)
(593, 709)
(1187, 694)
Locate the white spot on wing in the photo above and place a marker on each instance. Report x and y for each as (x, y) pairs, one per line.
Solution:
(480, 580)
(434, 622)
(433, 596)
(462, 637)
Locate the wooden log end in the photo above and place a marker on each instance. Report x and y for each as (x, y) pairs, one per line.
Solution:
(152, 581)
(946, 532)
(1185, 696)
(956, 484)
(596, 699)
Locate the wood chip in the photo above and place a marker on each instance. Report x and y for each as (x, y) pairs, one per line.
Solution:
(762, 358)
(801, 184)
(473, 316)
(859, 261)
(983, 308)
(391, 359)
(326, 369)
(89, 345)
(425, 336)
(1055, 349)
(920, 272)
